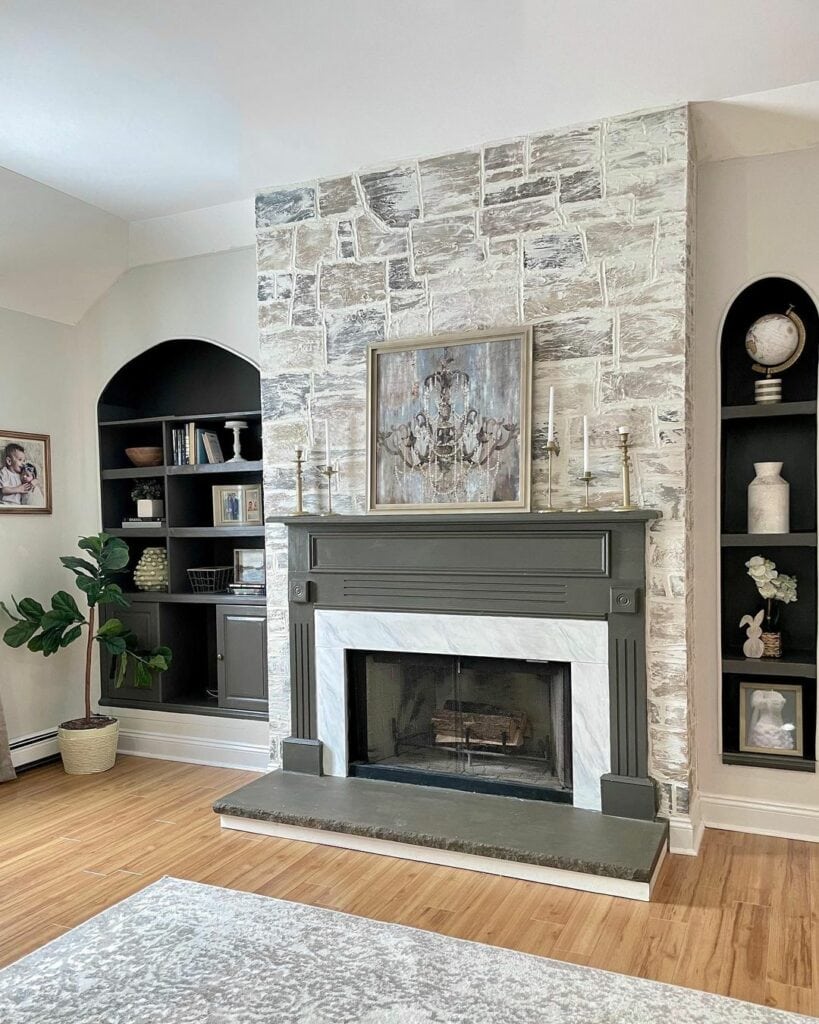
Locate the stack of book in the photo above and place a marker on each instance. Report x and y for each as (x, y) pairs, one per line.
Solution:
(193, 446)
(134, 522)
(247, 589)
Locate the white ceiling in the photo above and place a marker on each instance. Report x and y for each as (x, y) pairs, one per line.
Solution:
(150, 107)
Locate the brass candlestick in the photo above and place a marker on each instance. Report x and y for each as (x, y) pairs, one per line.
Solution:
(329, 472)
(299, 461)
(552, 449)
(626, 468)
(587, 479)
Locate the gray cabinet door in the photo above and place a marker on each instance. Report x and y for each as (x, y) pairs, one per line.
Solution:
(241, 645)
(143, 619)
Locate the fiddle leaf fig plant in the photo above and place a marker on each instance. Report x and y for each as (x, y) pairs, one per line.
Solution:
(46, 631)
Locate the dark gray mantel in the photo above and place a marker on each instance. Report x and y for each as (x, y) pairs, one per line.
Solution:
(561, 565)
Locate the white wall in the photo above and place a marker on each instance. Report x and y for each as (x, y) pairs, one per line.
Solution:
(211, 297)
(755, 217)
(43, 392)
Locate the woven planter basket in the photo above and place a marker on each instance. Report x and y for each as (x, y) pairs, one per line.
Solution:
(85, 751)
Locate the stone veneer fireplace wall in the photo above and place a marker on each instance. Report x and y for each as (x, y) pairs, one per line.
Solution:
(585, 233)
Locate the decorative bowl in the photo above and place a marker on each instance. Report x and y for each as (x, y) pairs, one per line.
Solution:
(145, 456)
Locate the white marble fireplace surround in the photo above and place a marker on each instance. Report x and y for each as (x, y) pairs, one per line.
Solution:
(582, 643)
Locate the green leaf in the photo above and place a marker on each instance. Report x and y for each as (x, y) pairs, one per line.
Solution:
(111, 627)
(79, 565)
(122, 667)
(92, 544)
(91, 588)
(51, 640)
(56, 620)
(114, 555)
(36, 644)
(31, 609)
(111, 593)
(115, 645)
(20, 633)
(142, 675)
(73, 634)
(63, 602)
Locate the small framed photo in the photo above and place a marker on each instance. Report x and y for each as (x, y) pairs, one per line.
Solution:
(248, 566)
(25, 473)
(227, 506)
(770, 718)
(237, 504)
(252, 502)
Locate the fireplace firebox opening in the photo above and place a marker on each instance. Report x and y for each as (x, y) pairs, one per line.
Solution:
(483, 725)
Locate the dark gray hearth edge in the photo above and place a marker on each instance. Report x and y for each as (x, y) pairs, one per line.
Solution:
(500, 827)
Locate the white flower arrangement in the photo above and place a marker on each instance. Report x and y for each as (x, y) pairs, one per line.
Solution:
(772, 585)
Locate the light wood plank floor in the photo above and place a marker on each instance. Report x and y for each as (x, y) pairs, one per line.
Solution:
(742, 919)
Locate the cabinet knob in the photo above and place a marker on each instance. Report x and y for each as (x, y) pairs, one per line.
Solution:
(220, 657)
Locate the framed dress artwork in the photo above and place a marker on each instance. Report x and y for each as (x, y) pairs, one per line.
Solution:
(449, 423)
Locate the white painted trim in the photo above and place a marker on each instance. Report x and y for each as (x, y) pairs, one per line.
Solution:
(685, 834)
(760, 817)
(451, 858)
(219, 753)
(43, 744)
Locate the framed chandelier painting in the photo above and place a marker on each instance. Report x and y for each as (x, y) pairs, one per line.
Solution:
(449, 423)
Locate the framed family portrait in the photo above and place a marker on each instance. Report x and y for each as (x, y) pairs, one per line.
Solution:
(449, 423)
(237, 505)
(25, 473)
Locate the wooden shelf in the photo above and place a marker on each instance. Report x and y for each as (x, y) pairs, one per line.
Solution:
(744, 412)
(209, 416)
(138, 532)
(209, 468)
(216, 531)
(132, 473)
(143, 596)
(770, 540)
(182, 706)
(796, 665)
(781, 762)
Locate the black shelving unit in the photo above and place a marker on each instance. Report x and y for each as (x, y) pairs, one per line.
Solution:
(783, 432)
(218, 640)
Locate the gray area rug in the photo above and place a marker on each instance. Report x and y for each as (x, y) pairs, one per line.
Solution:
(184, 953)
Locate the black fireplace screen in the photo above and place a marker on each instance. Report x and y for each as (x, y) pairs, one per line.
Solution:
(493, 725)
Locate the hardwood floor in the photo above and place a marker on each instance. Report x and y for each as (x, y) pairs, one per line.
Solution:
(742, 919)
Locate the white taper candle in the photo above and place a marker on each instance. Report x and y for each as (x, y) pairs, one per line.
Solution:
(585, 444)
(327, 442)
(551, 435)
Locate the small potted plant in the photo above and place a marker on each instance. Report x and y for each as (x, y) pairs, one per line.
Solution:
(772, 586)
(87, 744)
(148, 497)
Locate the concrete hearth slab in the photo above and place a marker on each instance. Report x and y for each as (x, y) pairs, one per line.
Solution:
(533, 839)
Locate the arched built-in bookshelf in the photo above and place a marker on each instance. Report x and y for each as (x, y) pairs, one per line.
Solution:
(217, 639)
(780, 432)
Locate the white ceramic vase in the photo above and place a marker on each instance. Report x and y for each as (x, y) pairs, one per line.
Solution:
(769, 500)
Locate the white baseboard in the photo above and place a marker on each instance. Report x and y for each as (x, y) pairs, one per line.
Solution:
(34, 747)
(450, 858)
(685, 834)
(738, 814)
(220, 753)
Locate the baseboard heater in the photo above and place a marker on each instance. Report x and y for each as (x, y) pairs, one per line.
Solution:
(30, 751)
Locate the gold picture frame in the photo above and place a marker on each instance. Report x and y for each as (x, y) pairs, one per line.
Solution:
(237, 505)
(449, 423)
(753, 713)
(25, 473)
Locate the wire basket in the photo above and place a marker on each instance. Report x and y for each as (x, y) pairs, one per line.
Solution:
(210, 579)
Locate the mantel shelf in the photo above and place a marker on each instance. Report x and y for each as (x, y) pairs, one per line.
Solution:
(483, 519)
(769, 540)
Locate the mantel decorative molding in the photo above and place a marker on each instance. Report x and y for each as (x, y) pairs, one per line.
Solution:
(566, 565)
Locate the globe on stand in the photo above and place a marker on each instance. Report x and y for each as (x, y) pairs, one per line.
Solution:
(774, 342)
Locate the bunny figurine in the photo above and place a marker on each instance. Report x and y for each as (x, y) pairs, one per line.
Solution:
(753, 646)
